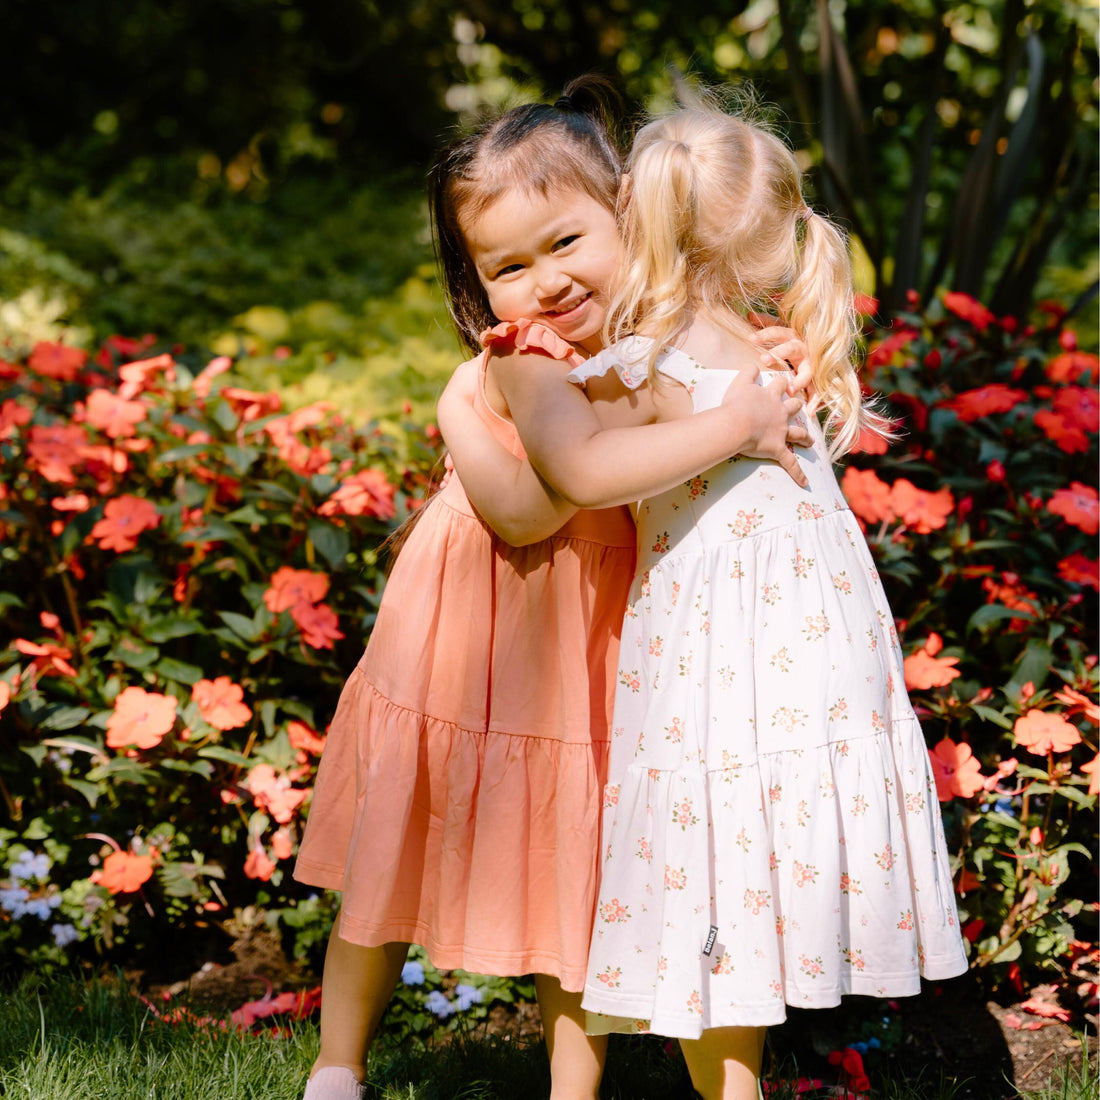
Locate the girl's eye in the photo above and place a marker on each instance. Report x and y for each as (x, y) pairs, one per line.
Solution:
(565, 242)
(508, 270)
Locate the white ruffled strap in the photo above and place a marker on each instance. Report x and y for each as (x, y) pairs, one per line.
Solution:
(628, 358)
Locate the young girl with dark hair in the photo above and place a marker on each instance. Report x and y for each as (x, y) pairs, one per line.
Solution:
(457, 803)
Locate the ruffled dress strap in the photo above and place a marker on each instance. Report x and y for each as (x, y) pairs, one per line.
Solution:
(527, 335)
(629, 359)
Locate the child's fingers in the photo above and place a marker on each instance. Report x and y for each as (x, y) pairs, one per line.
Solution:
(802, 379)
(789, 351)
(762, 321)
(771, 335)
(789, 461)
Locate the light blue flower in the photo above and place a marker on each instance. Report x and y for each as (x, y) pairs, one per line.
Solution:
(64, 934)
(466, 995)
(412, 973)
(874, 1043)
(31, 866)
(14, 900)
(438, 1005)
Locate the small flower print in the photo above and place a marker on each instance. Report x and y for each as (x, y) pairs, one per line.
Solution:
(695, 1003)
(781, 659)
(776, 988)
(780, 926)
(675, 732)
(816, 627)
(775, 793)
(610, 976)
(812, 968)
(725, 676)
(789, 718)
(769, 593)
(872, 639)
(849, 885)
(802, 565)
(906, 922)
(662, 966)
(696, 487)
(630, 680)
(755, 900)
(804, 874)
(682, 814)
(806, 510)
(685, 664)
(838, 711)
(744, 523)
(645, 850)
(842, 584)
(611, 795)
(877, 722)
(724, 965)
(854, 958)
(742, 840)
(655, 645)
(654, 774)
(842, 748)
(736, 573)
(885, 858)
(914, 803)
(661, 545)
(828, 787)
(859, 805)
(675, 592)
(803, 816)
(614, 912)
(773, 862)
(675, 879)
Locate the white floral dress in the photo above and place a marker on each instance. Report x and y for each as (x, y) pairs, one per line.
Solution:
(771, 829)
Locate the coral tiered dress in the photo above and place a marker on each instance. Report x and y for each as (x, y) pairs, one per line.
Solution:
(771, 834)
(457, 801)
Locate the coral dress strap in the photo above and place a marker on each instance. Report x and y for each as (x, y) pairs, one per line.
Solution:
(527, 335)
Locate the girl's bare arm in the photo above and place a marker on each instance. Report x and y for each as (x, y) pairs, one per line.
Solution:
(595, 466)
(506, 491)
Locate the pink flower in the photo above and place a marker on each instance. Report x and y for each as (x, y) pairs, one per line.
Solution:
(969, 309)
(318, 624)
(140, 718)
(1041, 732)
(956, 771)
(294, 587)
(925, 670)
(220, 703)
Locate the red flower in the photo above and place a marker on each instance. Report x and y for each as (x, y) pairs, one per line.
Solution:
(54, 449)
(5, 694)
(1091, 770)
(293, 587)
(304, 739)
(318, 624)
(136, 376)
(74, 502)
(885, 350)
(1041, 732)
(919, 509)
(249, 405)
(865, 304)
(12, 416)
(205, 378)
(273, 793)
(1079, 406)
(1077, 703)
(47, 658)
(1078, 505)
(1078, 569)
(1013, 595)
(1074, 366)
(367, 492)
(113, 415)
(258, 865)
(123, 872)
(969, 309)
(925, 670)
(140, 718)
(971, 405)
(56, 361)
(870, 443)
(956, 771)
(220, 703)
(124, 518)
(868, 495)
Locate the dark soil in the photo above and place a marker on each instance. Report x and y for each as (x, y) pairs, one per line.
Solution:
(951, 1032)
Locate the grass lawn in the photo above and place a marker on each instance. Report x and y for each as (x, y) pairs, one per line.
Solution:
(63, 1040)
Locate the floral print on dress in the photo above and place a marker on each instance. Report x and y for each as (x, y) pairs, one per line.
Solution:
(779, 742)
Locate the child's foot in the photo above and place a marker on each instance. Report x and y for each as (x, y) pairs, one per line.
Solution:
(333, 1083)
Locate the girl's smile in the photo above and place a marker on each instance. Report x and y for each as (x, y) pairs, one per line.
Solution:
(548, 258)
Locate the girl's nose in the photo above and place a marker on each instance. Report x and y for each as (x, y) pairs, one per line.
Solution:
(550, 280)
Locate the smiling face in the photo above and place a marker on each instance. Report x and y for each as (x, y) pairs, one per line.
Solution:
(549, 258)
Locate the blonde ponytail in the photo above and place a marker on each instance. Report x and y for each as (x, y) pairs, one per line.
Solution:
(653, 282)
(818, 305)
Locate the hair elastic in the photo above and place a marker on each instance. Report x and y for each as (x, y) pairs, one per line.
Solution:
(805, 214)
(564, 103)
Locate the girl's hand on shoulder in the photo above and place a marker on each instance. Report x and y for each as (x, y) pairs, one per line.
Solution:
(784, 349)
(769, 416)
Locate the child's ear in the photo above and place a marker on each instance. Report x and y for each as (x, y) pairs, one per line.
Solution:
(626, 186)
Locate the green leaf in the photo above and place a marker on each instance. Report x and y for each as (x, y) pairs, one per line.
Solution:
(241, 458)
(133, 656)
(186, 450)
(171, 626)
(240, 625)
(1034, 666)
(90, 791)
(990, 715)
(226, 756)
(992, 613)
(190, 767)
(332, 542)
(64, 718)
(169, 668)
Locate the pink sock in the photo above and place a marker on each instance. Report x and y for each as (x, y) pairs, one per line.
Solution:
(333, 1083)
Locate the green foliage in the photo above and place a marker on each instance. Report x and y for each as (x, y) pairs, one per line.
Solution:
(176, 551)
(983, 521)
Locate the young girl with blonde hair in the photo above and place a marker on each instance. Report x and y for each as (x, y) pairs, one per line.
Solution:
(458, 799)
(771, 831)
